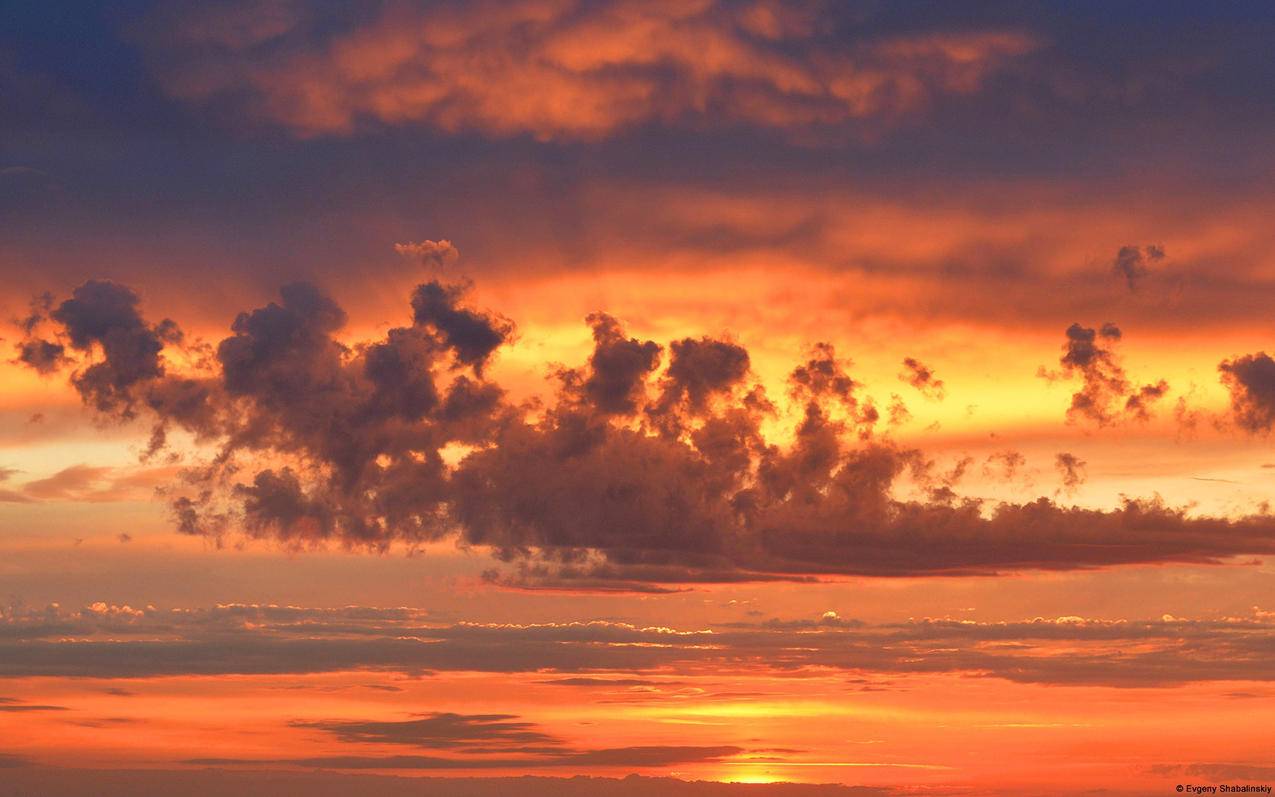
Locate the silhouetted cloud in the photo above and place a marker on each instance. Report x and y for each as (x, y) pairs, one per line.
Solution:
(609, 485)
(1251, 380)
(1133, 263)
(1107, 396)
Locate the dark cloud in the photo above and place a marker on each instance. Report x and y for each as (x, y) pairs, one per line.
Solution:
(1133, 263)
(921, 377)
(1107, 396)
(608, 485)
(1251, 380)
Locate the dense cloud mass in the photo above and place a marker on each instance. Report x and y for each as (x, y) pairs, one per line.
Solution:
(636, 473)
(1107, 396)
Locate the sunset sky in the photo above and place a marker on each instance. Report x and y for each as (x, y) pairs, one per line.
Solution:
(871, 395)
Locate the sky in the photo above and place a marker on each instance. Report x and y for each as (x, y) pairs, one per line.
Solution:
(696, 398)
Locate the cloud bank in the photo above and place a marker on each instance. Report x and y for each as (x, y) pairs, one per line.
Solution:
(648, 465)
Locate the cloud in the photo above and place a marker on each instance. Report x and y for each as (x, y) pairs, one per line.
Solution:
(443, 731)
(103, 316)
(921, 377)
(1072, 470)
(1107, 397)
(1133, 263)
(13, 705)
(628, 476)
(44, 356)
(617, 369)
(431, 254)
(638, 757)
(91, 483)
(1251, 381)
(564, 69)
(477, 741)
(1219, 772)
(105, 641)
(214, 781)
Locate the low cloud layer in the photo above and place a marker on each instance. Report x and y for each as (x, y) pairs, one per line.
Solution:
(65, 781)
(103, 641)
(648, 466)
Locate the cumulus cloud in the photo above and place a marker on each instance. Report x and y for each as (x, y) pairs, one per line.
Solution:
(1106, 396)
(634, 474)
(564, 69)
(1251, 381)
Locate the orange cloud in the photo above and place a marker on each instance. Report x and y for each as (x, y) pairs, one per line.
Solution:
(558, 69)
